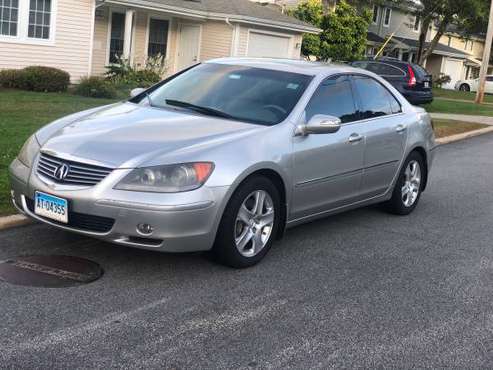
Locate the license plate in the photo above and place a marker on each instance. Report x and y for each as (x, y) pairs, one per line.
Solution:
(51, 207)
(427, 84)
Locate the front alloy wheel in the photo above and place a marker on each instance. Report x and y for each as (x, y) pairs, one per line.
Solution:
(254, 223)
(249, 223)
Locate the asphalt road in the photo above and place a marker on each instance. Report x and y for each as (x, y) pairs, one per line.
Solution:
(363, 289)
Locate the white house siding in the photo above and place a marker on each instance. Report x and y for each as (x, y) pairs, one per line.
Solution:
(100, 44)
(216, 40)
(70, 50)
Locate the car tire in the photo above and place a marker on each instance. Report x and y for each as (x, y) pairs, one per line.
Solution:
(246, 232)
(464, 87)
(409, 185)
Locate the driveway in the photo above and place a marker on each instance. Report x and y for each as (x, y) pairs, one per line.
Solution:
(362, 289)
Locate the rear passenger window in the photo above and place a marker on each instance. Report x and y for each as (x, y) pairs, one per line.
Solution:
(334, 97)
(375, 99)
(390, 71)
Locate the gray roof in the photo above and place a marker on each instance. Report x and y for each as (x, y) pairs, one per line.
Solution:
(414, 44)
(238, 10)
(370, 36)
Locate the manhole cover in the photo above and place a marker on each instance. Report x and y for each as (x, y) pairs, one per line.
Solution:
(49, 271)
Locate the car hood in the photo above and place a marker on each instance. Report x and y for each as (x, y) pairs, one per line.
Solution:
(127, 135)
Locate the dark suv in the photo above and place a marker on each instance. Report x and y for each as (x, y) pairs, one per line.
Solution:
(412, 80)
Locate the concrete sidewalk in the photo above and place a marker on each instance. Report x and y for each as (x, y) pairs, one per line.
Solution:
(486, 120)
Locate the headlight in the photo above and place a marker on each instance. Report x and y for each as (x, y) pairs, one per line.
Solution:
(167, 179)
(29, 150)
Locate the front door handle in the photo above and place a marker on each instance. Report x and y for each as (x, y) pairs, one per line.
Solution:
(355, 138)
(400, 128)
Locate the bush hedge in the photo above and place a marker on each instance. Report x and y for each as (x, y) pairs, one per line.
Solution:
(96, 87)
(35, 78)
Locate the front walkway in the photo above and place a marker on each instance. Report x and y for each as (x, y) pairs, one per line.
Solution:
(485, 120)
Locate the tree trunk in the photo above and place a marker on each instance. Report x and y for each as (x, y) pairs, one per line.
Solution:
(422, 37)
(441, 30)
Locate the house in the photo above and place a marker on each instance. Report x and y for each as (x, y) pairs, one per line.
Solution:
(83, 36)
(448, 58)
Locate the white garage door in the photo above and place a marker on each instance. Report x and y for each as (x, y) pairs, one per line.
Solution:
(263, 45)
(453, 68)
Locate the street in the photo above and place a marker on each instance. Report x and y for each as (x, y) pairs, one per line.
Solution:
(362, 289)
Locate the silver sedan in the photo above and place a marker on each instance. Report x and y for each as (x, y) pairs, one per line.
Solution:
(225, 156)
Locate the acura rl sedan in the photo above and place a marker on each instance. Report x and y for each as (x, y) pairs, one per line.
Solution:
(225, 156)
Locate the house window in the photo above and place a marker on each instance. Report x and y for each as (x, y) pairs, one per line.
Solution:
(376, 11)
(28, 21)
(417, 21)
(117, 36)
(158, 37)
(9, 16)
(39, 19)
(388, 14)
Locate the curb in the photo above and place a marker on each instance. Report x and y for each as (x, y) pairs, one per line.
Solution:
(8, 222)
(465, 135)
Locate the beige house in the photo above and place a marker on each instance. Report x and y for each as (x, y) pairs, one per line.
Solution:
(83, 36)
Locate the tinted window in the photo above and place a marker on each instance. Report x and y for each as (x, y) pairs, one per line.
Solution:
(334, 97)
(375, 99)
(489, 78)
(420, 71)
(244, 93)
(391, 71)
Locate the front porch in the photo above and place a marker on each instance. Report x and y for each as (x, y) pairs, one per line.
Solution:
(136, 34)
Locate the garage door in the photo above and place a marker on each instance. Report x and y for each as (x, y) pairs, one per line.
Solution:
(453, 68)
(262, 45)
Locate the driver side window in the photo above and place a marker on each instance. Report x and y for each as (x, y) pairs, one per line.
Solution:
(334, 97)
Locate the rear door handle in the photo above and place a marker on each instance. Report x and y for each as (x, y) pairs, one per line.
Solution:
(400, 128)
(355, 138)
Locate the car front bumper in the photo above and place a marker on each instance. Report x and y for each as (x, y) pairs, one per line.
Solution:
(181, 222)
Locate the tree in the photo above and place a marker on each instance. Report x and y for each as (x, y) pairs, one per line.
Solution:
(310, 11)
(344, 34)
(468, 15)
(344, 31)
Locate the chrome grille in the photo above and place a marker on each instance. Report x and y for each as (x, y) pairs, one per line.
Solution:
(76, 173)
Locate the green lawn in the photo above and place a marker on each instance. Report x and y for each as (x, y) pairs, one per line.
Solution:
(445, 128)
(22, 113)
(458, 107)
(459, 95)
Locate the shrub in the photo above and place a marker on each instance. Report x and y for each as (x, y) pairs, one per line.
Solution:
(442, 80)
(123, 73)
(10, 78)
(46, 79)
(95, 87)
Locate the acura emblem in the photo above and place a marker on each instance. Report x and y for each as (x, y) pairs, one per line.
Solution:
(62, 171)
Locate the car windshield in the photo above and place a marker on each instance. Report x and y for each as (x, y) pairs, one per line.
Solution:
(253, 95)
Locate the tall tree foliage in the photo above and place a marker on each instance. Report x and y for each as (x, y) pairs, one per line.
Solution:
(470, 16)
(344, 31)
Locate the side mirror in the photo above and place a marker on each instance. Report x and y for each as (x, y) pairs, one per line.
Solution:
(136, 91)
(319, 124)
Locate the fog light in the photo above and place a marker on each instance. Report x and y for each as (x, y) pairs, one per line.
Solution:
(145, 229)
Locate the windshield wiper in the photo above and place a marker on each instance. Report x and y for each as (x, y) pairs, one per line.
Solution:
(198, 108)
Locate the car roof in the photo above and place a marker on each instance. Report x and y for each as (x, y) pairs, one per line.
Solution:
(288, 65)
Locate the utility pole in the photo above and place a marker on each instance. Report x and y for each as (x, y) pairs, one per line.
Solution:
(486, 59)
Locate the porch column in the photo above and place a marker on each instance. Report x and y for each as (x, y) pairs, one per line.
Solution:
(127, 40)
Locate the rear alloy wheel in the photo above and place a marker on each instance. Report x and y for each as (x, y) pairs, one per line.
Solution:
(249, 224)
(407, 191)
(464, 87)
